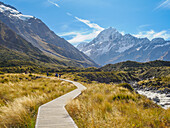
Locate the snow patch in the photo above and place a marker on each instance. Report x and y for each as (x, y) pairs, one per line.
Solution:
(124, 48)
(162, 45)
(22, 17)
(99, 43)
(139, 48)
(88, 52)
(14, 13)
(105, 49)
(4, 8)
(146, 48)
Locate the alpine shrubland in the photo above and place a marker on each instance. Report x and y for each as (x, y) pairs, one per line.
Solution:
(21, 95)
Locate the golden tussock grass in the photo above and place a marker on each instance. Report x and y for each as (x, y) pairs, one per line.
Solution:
(21, 95)
(112, 106)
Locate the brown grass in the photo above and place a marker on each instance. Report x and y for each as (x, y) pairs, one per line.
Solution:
(21, 95)
(112, 106)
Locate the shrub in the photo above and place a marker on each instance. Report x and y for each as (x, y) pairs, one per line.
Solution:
(1, 73)
(126, 85)
(123, 97)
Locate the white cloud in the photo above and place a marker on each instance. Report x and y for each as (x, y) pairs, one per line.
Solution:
(79, 37)
(54, 3)
(144, 25)
(69, 34)
(91, 25)
(165, 4)
(69, 14)
(152, 34)
(82, 36)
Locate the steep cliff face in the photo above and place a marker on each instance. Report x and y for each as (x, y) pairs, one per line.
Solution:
(111, 47)
(39, 35)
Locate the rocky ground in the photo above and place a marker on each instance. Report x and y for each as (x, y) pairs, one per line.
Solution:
(161, 97)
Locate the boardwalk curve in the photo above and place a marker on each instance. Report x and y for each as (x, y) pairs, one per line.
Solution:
(54, 115)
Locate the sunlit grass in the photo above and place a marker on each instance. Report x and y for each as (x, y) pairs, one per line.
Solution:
(113, 106)
(21, 95)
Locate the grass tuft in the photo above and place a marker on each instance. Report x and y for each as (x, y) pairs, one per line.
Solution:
(21, 95)
(113, 106)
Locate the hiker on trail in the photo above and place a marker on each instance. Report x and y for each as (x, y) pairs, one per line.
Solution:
(59, 75)
(56, 75)
(47, 74)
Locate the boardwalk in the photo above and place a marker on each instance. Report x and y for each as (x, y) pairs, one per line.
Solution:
(54, 115)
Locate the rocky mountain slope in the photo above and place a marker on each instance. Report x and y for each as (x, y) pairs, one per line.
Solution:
(39, 35)
(14, 48)
(110, 46)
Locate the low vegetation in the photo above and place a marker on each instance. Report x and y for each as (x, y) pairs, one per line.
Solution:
(102, 77)
(108, 101)
(161, 83)
(143, 73)
(110, 105)
(132, 65)
(21, 95)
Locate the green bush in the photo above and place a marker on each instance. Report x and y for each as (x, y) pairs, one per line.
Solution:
(126, 85)
(123, 97)
(1, 73)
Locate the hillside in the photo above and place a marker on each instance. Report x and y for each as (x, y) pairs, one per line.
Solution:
(16, 51)
(14, 48)
(114, 106)
(129, 72)
(39, 35)
(132, 64)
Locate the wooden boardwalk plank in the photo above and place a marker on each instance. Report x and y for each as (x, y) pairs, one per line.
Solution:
(54, 115)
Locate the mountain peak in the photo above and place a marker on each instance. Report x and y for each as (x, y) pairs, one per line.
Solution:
(13, 12)
(107, 35)
(36, 32)
(158, 40)
(128, 35)
(1, 3)
(110, 47)
(109, 31)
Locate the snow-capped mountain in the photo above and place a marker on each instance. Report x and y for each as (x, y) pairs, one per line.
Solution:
(39, 35)
(13, 12)
(110, 46)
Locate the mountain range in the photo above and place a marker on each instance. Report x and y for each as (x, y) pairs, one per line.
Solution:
(110, 46)
(27, 39)
(35, 35)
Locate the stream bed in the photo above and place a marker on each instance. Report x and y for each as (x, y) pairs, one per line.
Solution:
(161, 99)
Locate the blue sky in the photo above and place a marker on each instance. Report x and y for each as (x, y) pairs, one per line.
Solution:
(81, 20)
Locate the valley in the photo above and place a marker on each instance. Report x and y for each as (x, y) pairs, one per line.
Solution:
(106, 101)
(37, 34)
(98, 77)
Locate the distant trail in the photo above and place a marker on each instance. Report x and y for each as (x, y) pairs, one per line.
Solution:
(54, 115)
